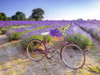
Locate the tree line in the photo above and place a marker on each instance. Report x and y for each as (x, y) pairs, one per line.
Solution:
(37, 15)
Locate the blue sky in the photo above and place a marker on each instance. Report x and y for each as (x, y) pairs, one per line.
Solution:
(54, 9)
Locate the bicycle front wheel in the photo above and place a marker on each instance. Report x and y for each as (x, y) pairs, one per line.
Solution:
(73, 56)
(35, 50)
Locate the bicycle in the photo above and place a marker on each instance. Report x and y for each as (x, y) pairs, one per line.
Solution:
(71, 54)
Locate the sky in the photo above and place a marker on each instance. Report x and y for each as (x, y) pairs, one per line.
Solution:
(54, 9)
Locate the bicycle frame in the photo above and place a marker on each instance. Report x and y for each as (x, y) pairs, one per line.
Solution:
(66, 49)
(60, 44)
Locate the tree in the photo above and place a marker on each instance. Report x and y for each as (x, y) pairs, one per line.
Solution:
(3, 17)
(19, 16)
(13, 17)
(37, 14)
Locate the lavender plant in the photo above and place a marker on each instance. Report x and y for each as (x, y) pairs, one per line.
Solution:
(25, 41)
(81, 40)
(14, 35)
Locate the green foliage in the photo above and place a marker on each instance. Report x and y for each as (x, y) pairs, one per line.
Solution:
(19, 16)
(15, 35)
(32, 19)
(13, 17)
(93, 46)
(3, 31)
(0, 28)
(28, 30)
(17, 26)
(42, 27)
(0, 32)
(83, 72)
(80, 40)
(49, 38)
(97, 32)
(25, 41)
(37, 14)
(95, 69)
(92, 33)
(64, 28)
(3, 17)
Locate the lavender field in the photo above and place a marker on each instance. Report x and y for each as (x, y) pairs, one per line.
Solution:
(14, 35)
(33, 27)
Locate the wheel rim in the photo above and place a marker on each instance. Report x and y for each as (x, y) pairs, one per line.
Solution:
(73, 56)
(35, 50)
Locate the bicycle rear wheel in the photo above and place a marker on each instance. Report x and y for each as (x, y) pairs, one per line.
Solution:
(73, 56)
(35, 50)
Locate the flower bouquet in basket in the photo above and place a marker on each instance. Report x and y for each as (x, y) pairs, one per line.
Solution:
(57, 35)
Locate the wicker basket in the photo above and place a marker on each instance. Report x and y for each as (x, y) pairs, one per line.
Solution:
(57, 39)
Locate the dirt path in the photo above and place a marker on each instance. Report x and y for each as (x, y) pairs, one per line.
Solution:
(14, 61)
(3, 39)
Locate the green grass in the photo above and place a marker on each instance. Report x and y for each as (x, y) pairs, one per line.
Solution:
(83, 72)
(12, 72)
(95, 69)
(7, 66)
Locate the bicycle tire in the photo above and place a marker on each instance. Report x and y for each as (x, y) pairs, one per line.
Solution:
(33, 51)
(75, 57)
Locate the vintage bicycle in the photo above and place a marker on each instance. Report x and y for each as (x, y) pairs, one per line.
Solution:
(71, 54)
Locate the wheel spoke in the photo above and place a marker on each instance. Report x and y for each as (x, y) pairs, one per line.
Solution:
(35, 50)
(73, 56)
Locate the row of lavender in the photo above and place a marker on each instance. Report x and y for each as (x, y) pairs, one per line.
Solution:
(92, 27)
(10, 23)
